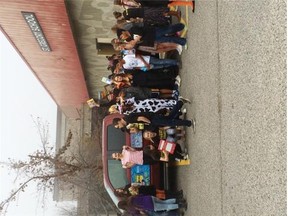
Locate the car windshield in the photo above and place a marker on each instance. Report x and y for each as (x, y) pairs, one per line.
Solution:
(115, 140)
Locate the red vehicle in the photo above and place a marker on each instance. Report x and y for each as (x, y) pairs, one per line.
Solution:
(114, 175)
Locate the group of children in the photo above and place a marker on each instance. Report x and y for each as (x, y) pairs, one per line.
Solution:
(145, 91)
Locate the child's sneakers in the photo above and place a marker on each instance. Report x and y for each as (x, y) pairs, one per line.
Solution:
(184, 100)
(193, 122)
(178, 80)
(179, 49)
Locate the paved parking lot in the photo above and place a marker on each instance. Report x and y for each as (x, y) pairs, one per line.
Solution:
(234, 70)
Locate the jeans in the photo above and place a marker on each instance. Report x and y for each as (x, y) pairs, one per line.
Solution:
(162, 63)
(172, 118)
(164, 213)
(172, 135)
(174, 113)
(170, 138)
(162, 121)
(162, 34)
(164, 205)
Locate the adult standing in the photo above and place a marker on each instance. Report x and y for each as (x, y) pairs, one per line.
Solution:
(148, 35)
(154, 120)
(132, 61)
(147, 79)
(141, 203)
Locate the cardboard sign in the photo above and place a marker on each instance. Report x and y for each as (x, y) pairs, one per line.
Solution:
(136, 139)
(167, 146)
(140, 175)
(91, 103)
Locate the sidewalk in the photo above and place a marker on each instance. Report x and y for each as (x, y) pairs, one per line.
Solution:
(234, 71)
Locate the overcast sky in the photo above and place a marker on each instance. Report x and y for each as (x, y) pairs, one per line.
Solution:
(22, 96)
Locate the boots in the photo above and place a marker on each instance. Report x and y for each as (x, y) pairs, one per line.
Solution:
(183, 204)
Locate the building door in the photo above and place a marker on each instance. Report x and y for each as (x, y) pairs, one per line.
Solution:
(104, 46)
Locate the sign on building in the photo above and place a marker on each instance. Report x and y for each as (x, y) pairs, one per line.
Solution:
(35, 27)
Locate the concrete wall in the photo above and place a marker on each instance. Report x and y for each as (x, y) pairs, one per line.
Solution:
(92, 19)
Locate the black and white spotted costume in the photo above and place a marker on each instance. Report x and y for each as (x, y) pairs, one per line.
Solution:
(148, 105)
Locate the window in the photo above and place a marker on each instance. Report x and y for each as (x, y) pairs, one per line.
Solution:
(117, 175)
(115, 140)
